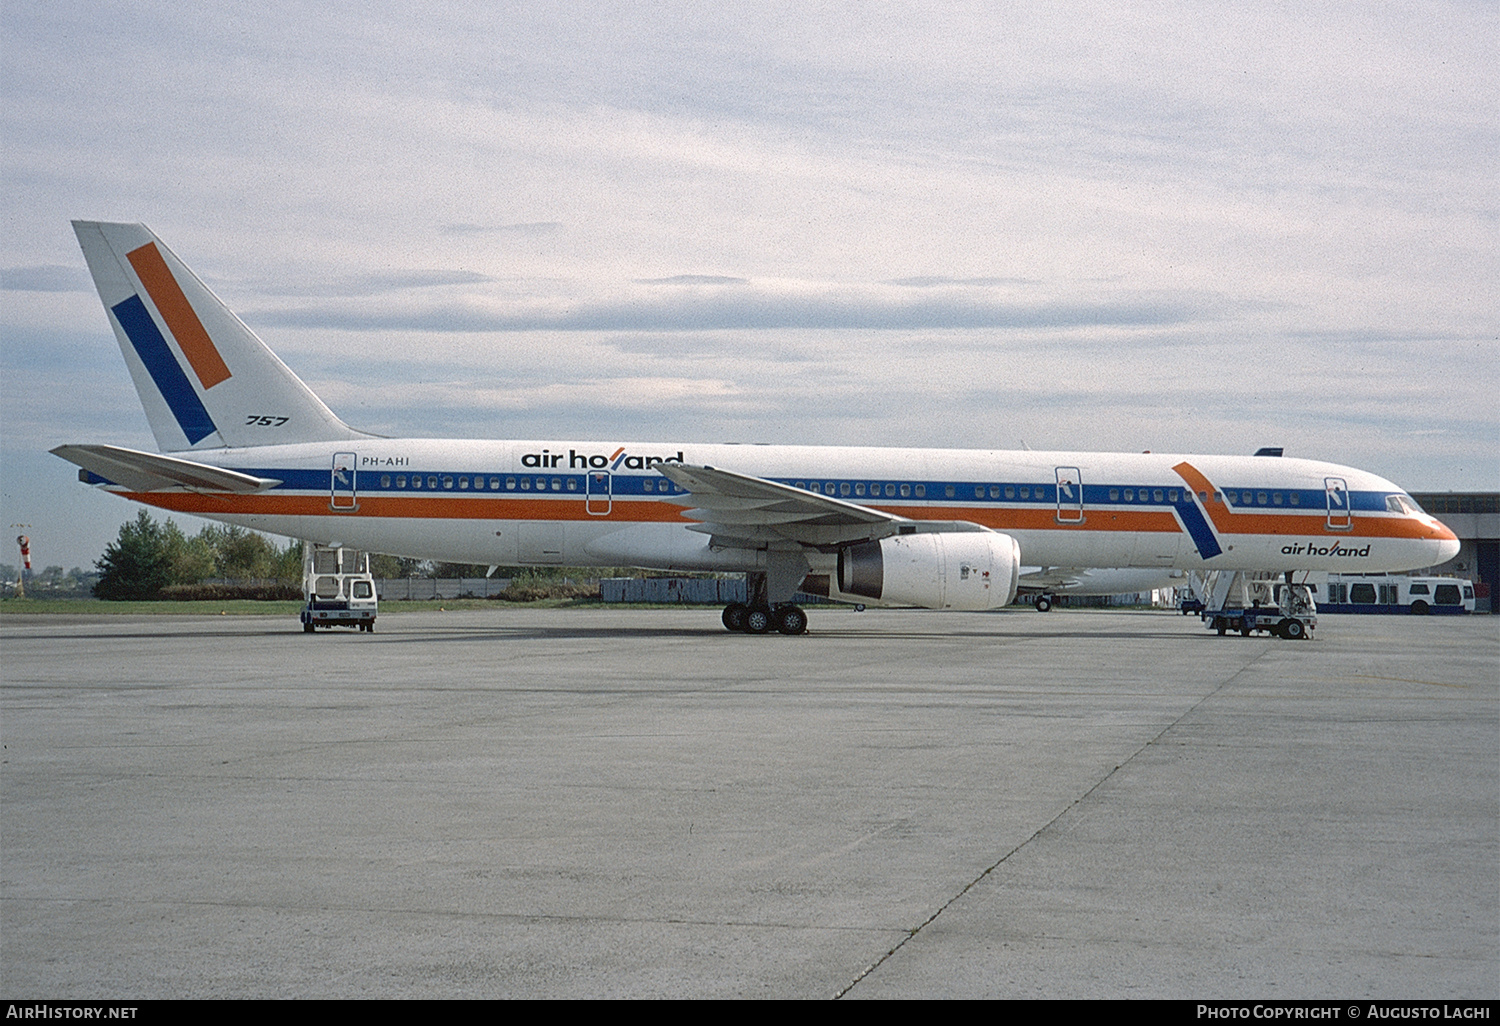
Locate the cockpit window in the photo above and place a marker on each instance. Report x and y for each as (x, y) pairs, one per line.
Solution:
(1401, 504)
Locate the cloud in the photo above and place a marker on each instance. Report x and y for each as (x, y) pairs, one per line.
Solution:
(933, 281)
(45, 278)
(375, 283)
(694, 279)
(764, 310)
(527, 228)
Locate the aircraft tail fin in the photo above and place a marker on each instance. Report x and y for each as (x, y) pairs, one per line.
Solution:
(205, 379)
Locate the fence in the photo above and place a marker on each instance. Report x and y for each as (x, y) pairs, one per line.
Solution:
(393, 589)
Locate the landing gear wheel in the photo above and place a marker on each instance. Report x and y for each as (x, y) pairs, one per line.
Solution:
(1293, 630)
(734, 616)
(758, 620)
(791, 620)
(1043, 603)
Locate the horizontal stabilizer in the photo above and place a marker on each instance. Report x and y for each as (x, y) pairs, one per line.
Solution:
(148, 472)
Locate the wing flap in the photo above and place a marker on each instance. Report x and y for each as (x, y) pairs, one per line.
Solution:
(740, 511)
(150, 472)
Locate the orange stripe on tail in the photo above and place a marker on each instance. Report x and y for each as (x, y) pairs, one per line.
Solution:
(179, 315)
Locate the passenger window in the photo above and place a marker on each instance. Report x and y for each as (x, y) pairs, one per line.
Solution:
(648, 485)
(844, 488)
(949, 491)
(906, 491)
(802, 485)
(463, 484)
(1010, 491)
(921, 491)
(890, 491)
(432, 481)
(1294, 499)
(1025, 493)
(1276, 498)
(494, 484)
(447, 482)
(400, 480)
(572, 484)
(416, 482)
(1156, 495)
(557, 484)
(525, 484)
(510, 484)
(1114, 495)
(1172, 495)
(385, 480)
(859, 489)
(1260, 498)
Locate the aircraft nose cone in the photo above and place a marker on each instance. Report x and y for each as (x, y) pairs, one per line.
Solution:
(1447, 542)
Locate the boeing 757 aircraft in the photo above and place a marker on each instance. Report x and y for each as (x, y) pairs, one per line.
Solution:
(244, 441)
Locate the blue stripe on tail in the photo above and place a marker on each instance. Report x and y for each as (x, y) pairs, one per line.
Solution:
(164, 369)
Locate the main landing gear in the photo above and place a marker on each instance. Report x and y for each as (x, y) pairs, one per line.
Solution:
(760, 615)
(787, 619)
(1042, 602)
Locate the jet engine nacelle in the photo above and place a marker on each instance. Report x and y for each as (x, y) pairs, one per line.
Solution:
(969, 570)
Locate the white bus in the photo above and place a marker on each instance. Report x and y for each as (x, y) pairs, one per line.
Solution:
(1395, 593)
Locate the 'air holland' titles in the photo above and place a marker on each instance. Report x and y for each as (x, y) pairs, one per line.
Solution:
(546, 459)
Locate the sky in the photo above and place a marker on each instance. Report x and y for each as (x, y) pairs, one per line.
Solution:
(1186, 227)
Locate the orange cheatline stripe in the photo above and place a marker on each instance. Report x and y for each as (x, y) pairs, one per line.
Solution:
(179, 315)
(411, 508)
(638, 511)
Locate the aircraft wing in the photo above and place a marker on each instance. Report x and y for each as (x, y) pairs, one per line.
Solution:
(150, 472)
(1049, 577)
(738, 509)
(1095, 580)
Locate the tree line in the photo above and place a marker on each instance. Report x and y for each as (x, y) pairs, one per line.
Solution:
(151, 556)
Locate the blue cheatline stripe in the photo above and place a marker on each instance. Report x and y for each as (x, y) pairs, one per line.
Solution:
(1198, 529)
(164, 369)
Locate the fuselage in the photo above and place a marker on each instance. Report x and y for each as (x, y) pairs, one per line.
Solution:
(603, 504)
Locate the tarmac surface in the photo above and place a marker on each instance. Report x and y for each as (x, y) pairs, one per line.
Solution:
(636, 803)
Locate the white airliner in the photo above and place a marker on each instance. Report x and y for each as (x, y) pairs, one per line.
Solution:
(244, 441)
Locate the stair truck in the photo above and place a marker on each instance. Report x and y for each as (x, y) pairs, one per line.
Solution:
(1250, 602)
(337, 588)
